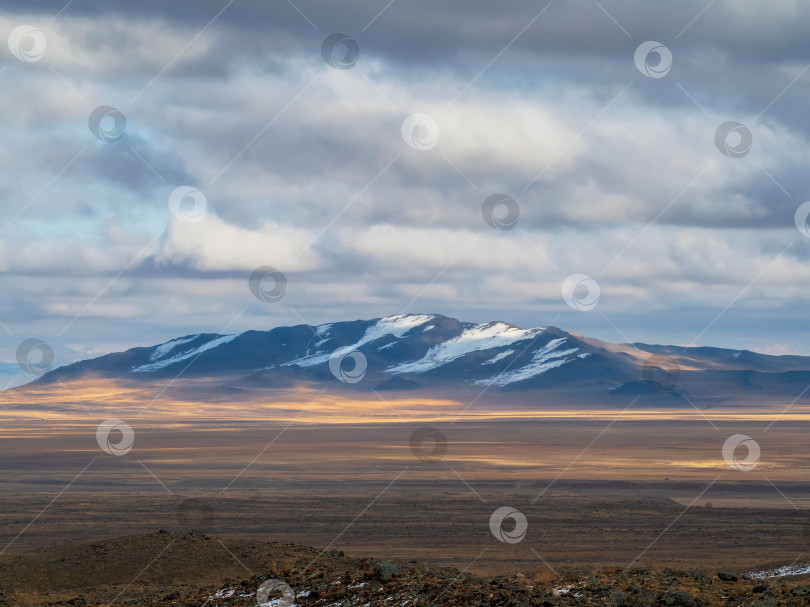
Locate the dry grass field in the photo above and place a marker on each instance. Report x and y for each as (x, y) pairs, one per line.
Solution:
(599, 495)
(594, 494)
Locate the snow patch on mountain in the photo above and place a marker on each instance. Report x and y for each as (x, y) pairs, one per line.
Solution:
(479, 337)
(163, 349)
(165, 362)
(546, 358)
(395, 326)
(498, 357)
(322, 333)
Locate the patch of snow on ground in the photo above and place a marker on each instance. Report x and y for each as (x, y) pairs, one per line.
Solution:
(224, 594)
(570, 589)
(780, 571)
(546, 358)
(564, 589)
(160, 364)
(390, 325)
(386, 346)
(480, 337)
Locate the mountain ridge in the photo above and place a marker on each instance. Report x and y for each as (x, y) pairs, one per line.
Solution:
(428, 352)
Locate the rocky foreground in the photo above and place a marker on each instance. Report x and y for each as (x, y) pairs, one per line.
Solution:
(388, 584)
(192, 570)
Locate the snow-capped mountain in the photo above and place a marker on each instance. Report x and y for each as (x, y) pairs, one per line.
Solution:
(428, 351)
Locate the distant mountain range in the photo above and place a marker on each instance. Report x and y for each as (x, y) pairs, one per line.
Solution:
(425, 353)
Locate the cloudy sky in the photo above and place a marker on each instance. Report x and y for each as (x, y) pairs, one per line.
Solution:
(238, 134)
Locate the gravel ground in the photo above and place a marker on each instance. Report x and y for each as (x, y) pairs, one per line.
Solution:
(167, 568)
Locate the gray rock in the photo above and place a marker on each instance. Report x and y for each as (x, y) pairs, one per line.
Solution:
(727, 576)
(678, 598)
(385, 571)
(800, 591)
(617, 598)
